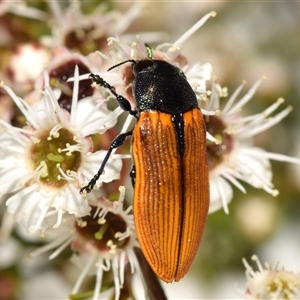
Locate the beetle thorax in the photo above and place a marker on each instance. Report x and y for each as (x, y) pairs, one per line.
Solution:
(163, 87)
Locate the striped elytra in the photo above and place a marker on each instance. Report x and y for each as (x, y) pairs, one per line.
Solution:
(171, 194)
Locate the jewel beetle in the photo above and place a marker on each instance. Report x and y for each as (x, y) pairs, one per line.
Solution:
(170, 172)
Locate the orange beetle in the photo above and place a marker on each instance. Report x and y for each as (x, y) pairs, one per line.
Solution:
(170, 173)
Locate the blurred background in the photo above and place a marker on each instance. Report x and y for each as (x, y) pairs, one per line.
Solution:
(243, 42)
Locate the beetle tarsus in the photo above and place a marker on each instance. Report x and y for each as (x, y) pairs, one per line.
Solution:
(86, 189)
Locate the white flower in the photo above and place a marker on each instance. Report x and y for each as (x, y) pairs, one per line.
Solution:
(121, 78)
(87, 32)
(60, 67)
(104, 240)
(26, 64)
(271, 283)
(231, 155)
(43, 165)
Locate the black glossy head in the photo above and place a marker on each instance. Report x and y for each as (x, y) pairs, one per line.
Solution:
(161, 86)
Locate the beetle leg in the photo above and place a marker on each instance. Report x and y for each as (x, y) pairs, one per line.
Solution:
(123, 102)
(132, 175)
(117, 142)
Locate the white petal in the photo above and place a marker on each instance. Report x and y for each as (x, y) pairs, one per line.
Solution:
(87, 105)
(12, 178)
(220, 194)
(92, 164)
(256, 168)
(28, 205)
(99, 120)
(71, 201)
(198, 69)
(11, 142)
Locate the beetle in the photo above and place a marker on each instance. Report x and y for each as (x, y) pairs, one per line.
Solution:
(170, 172)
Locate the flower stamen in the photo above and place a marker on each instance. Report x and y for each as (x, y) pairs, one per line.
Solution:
(194, 28)
(41, 170)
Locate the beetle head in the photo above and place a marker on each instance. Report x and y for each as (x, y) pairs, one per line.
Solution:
(141, 65)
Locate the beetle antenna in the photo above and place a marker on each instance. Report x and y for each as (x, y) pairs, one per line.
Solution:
(121, 63)
(149, 51)
(123, 102)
